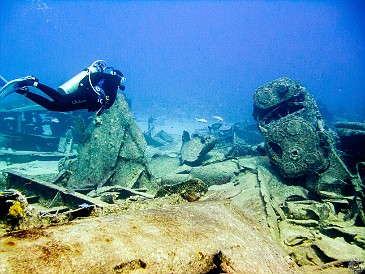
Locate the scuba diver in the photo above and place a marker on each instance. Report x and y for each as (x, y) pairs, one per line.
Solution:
(94, 89)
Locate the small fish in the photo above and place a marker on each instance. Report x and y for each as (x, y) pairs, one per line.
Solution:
(10, 118)
(218, 118)
(214, 127)
(84, 205)
(201, 120)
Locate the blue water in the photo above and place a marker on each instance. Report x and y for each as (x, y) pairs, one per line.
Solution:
(197, 58)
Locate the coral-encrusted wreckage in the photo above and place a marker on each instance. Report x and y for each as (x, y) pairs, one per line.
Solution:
(113, 153)
(286, 197)
(322, 216)
(289, 119)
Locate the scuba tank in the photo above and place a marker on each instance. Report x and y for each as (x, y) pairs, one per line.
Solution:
(71, 85)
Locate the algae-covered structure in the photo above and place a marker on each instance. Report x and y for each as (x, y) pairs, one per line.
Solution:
(208, 202)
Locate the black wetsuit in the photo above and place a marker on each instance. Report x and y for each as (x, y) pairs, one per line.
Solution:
(84, 97)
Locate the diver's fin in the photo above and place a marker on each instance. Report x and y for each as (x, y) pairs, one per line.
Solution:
(2, 81)
(8, 87)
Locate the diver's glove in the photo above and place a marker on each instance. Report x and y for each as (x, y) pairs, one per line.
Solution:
(23, 91)
(27, 81)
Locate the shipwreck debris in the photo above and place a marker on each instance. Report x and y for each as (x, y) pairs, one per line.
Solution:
(49, 191)
(194, 150)
(114, 153)
(289, 120)
(191, 190)
(352, 138)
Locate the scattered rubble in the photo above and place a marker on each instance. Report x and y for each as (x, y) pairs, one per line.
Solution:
(195, 149)
(215, 207)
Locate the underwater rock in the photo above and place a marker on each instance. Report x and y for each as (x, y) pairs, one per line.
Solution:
(109, 197)
(160, 165)
(173, 179)
(194, 150)
(187, 238)
(222, 192)
(251, 163)
(176, 176)
(217, 173)
(191, 190)
(131, 174)
(114, 152)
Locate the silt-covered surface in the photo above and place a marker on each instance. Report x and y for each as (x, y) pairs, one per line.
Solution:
(186, 238)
